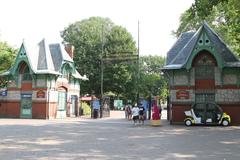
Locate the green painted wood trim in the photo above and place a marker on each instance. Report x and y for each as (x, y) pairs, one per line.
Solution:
(49, 79)
(233, 71)
(44, 77)
(171, 77)
(238, 77)
(221, 71)
(181, 72)
(208, 47)
(19, 59)
(189, 77)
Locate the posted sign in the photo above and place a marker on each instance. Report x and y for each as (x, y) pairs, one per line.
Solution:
(3, 92)
(182, 94)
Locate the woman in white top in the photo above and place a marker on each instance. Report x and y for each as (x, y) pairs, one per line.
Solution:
(135, 113)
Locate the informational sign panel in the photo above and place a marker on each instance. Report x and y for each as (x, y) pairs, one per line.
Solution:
(40, 94)
(182, 94)
(118, 104)
(89, 98)
(3, 92)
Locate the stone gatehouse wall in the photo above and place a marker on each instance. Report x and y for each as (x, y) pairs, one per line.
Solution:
(227, 96)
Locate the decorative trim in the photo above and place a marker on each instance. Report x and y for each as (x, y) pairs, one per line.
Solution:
(182, 87)
(227, 87)
(182, 103)
(193, 87)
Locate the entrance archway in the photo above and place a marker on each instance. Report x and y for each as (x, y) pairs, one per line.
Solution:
(62, 103)
(204, 64)
(25, 81)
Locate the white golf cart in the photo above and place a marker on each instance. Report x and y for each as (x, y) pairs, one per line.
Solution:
(206, 114)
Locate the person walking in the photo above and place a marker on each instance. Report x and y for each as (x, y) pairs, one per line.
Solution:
(141, 114)
(135, 114)
(129, 111)
(126, 111)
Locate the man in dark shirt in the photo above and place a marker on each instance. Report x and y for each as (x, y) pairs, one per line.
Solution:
(141, 114)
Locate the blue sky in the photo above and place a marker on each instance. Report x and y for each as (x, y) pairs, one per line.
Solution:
(37, 19)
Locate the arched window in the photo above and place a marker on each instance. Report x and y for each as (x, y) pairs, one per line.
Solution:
(24, 72)
(66, 70)
(204, 64)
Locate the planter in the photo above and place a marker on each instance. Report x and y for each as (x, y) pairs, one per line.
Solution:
(155, 122)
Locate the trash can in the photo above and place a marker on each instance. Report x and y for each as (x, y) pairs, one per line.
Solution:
(95, 113)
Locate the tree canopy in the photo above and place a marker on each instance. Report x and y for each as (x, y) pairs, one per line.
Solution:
(222, 15)
(7, 56)
(152, 82)
(94, 39)
(98, 40)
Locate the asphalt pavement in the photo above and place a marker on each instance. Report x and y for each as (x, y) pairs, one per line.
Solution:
(114, 138)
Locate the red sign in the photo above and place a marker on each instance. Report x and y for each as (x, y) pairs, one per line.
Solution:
(86, 98)
(182, 94)
(40, 94)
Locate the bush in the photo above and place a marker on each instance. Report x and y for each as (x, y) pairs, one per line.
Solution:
(86, 109)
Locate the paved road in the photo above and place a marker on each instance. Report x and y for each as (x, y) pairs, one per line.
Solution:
(114, 138)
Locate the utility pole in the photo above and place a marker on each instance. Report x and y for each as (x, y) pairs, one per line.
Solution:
(138, 63)
(102, 62)
(101, 72)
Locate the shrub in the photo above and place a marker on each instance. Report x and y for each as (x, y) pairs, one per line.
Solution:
(86, 108)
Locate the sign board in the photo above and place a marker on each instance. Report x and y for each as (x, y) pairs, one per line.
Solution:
(40, 94)
(3, 92)
(118, 104)
(27, 95)
(182, 94)
(86, 98)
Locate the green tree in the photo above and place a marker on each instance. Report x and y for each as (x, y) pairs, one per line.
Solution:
(7, 56)
(120, 73)
(89, 37)
(152, 82)
(222, 15)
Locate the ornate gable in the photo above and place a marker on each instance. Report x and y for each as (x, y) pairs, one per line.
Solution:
(21, 57)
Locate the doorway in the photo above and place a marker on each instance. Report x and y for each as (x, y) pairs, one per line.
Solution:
(26, 105)
(62, 103)
(204, 65)
(74, 106)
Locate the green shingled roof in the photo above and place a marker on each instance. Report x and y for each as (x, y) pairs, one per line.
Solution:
(179, 54)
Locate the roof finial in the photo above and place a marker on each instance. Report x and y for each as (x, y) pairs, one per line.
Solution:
(204, 21)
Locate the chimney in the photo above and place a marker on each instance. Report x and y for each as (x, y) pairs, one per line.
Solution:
(70, 50)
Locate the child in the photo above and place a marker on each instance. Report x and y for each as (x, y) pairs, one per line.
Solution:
(135, 113)
(141, 114)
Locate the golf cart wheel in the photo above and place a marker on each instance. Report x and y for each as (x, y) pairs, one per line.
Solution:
(188, 122)
(225, 122)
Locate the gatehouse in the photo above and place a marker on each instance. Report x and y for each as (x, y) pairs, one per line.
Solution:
(42, 83)
(201, 68)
